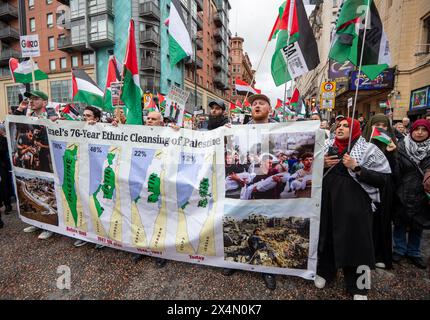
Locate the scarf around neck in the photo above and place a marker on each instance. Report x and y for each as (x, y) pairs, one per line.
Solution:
(418, 151)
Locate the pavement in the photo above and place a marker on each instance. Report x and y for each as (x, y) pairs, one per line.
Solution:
(28, 270)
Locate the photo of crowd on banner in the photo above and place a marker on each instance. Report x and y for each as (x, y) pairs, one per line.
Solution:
(30, 147)
(283, 172)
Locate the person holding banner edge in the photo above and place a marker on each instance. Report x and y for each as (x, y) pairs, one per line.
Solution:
(345, 239)
(261, 110)
(38, 100)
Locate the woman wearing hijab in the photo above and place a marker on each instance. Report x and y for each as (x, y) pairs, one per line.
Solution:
(412, 213)
(382, 218)
(348, 198)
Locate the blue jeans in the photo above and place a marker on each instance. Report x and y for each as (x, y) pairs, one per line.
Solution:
(411, 247)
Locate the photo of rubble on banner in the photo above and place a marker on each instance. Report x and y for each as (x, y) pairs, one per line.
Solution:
(266, 239)
(279, 166)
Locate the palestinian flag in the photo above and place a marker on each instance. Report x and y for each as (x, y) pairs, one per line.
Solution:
(85, 90)
(180, 45)
(348, 41)
(381, 135)
(246, 106)
(235, 108)
(296, 49)
(70, 113)
(188, 116)
(303, 111)
(294, 101)
(113, 76)
(23, 72)
(238, 103)
(152, 106)
(243, 88)
(131, 92)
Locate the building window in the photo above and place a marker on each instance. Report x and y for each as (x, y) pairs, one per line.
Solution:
(63, 63)
(75, 62)
(31, 4)
(88, 59)
(61, 91)
(52, 65)
(32, 24)
(50, 20)
(426, 36)
(51, 44)
(13, 92)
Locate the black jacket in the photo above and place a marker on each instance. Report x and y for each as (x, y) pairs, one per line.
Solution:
(413, 205)
(212, 125)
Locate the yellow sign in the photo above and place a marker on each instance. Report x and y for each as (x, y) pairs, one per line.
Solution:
(328, 95)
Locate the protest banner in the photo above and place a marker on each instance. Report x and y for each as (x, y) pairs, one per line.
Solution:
(175, 104)
(243, 198)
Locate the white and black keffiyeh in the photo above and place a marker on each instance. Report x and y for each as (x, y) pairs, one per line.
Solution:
(367, 156)
(418, 151)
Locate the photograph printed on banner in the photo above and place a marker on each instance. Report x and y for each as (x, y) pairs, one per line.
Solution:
(273, 166)
(260, 238)
(30, 147)
(37, 199)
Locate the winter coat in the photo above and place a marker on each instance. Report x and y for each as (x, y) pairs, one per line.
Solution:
(413, 205)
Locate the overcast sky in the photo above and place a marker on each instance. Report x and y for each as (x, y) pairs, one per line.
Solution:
(253, 20)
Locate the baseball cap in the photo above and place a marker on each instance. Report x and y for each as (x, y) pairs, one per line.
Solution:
(37, 93)
(217, 103)
(254, 97)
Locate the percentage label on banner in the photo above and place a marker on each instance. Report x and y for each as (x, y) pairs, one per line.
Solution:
(96, 149)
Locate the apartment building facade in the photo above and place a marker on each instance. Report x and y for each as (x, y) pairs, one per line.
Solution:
(241, 66)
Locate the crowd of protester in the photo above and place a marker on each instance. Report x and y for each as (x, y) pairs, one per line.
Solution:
(375, 195)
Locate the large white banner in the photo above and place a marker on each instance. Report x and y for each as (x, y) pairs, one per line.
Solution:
(245, 198)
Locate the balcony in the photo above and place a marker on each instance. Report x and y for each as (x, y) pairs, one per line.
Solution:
(221, 82)
(149, 38)
(8, 12)
(9, 34)
(100, 8)
(102, 39)
(150, 64)
(198, 63)
(199, 5)
(6, 54)
(219, 35)
(199, 44)
(149, 10)
(218, 20)
(199, 23)
(66, 44)
(220, 65)
(218, 50)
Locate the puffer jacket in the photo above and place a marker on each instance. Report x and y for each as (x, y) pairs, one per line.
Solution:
(412, 203)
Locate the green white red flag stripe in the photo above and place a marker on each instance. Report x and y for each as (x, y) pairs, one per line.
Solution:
(348, 39)
(23, 72)
(85, 90)
(296, 50)
(131, 92)
(381, 135)
(180, 45)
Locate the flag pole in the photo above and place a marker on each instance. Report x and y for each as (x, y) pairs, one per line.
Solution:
(358, 76)
(33, 77)
(290, 23)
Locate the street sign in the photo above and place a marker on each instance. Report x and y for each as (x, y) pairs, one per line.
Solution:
(30, 46)
(349, 102)
(328, 95)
